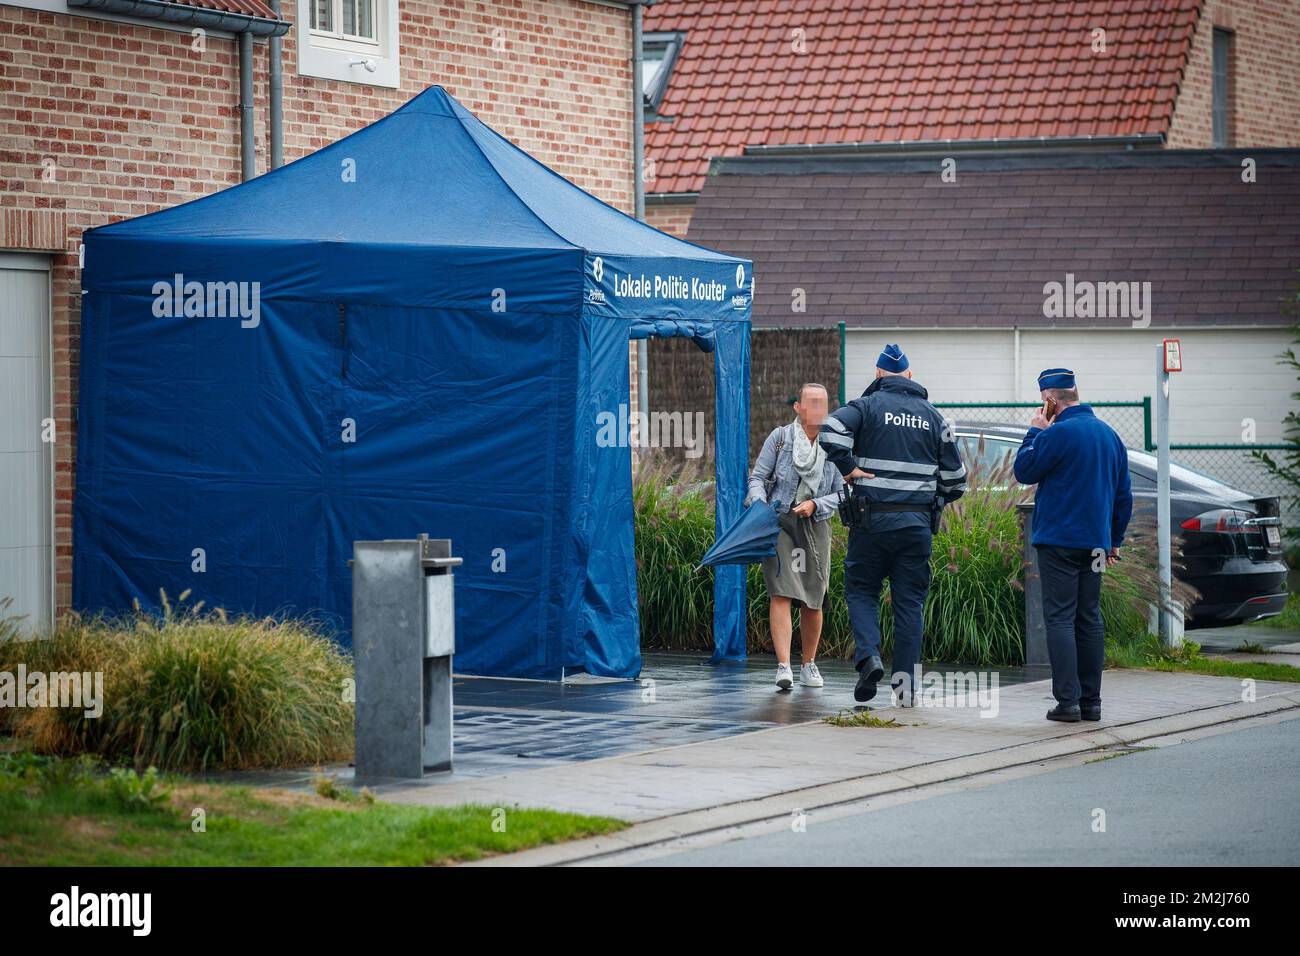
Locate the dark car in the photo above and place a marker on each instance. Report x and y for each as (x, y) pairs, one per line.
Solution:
(1232, 543)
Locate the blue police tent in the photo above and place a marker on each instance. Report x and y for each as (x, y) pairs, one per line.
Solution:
(419, 328)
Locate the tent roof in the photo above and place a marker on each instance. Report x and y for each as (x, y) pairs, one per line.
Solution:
(428, 175)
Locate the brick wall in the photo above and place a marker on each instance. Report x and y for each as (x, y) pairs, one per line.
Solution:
(673, 218)
(103, 120)
(1265, 72)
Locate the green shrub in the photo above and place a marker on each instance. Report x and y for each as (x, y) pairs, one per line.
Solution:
(190, 691)
(974, 612)
(673, 527)
(118, 788)
(138, 791)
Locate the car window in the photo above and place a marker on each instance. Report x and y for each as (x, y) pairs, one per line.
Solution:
(987, 455)
(997, 449)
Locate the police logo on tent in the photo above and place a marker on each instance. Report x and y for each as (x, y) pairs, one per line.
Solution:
(596, 295)
(740, 300)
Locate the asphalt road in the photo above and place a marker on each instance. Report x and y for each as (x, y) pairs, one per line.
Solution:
(1230, 799)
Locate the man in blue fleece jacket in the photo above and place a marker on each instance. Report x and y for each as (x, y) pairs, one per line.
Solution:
(1081, 511)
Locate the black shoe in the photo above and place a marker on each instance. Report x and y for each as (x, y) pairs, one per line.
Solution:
(868, 676)
(1090, 713)
(1068, 714)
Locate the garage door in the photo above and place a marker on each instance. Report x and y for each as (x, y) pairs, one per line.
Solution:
(26, 485)
(957, 366)
(1230, 375)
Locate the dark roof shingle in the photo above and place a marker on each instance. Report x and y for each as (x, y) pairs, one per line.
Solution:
(886, 242)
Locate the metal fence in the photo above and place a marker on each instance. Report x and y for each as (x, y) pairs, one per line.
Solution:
(1131, 420)
(1238, 467)
(1235, 465)
(681, 379)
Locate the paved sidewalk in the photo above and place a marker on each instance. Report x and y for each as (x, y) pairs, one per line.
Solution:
(775, 766)
(510, 726)
(1278, 645)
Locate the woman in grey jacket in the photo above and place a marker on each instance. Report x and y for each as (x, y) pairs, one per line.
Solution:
(793, 474)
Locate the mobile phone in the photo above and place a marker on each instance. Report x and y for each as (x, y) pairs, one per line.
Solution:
(1050, 408)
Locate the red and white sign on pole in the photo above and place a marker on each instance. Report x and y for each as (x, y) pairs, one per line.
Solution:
(1169, 614)
(1173, 355)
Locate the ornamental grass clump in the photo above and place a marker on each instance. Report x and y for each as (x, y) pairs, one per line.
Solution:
(673, 508)
(188, 690)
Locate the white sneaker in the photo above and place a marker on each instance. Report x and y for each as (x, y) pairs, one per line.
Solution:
(810, 676)
(784, 676)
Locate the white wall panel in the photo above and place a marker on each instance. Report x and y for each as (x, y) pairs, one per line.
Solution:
(26, 533)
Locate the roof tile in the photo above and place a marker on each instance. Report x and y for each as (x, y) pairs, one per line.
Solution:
(885, 70)
(252, 8)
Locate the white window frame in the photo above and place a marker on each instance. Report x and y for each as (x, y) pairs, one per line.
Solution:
(672, 42)
(335, 56)
(348, 41)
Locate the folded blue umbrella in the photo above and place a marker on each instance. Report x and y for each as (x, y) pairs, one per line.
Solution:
(749, 540)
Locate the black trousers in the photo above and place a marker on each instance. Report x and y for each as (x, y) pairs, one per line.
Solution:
(1076, 641)
(902, 556)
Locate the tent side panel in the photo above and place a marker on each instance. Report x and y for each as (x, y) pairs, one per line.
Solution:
(241, 463)
(89, 564)
(731, 368)
(611, 639)
(200, 462)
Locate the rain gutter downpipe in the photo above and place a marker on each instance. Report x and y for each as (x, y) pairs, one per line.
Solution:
(276, 100)
(248, 159)
(638, 191)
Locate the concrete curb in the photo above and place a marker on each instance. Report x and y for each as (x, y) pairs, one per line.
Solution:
(780, 805)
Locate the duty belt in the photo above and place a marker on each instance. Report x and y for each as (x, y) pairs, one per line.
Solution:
(856, 511)
(881, 507)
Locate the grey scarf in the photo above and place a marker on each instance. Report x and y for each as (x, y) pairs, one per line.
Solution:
(809, 462)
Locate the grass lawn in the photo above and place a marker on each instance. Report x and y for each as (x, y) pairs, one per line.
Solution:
(1149, 654)
(73, 813)
(1216, 667)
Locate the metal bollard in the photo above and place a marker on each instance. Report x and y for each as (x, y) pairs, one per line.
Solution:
(1035, 627)
(403, 638)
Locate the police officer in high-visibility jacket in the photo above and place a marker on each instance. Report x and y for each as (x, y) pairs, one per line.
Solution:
(901, 460)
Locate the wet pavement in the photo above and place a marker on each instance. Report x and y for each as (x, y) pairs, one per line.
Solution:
(687, 687)
(715, 782)
(504, 726)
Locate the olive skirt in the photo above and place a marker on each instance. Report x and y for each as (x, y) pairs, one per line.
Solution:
(801, 567)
